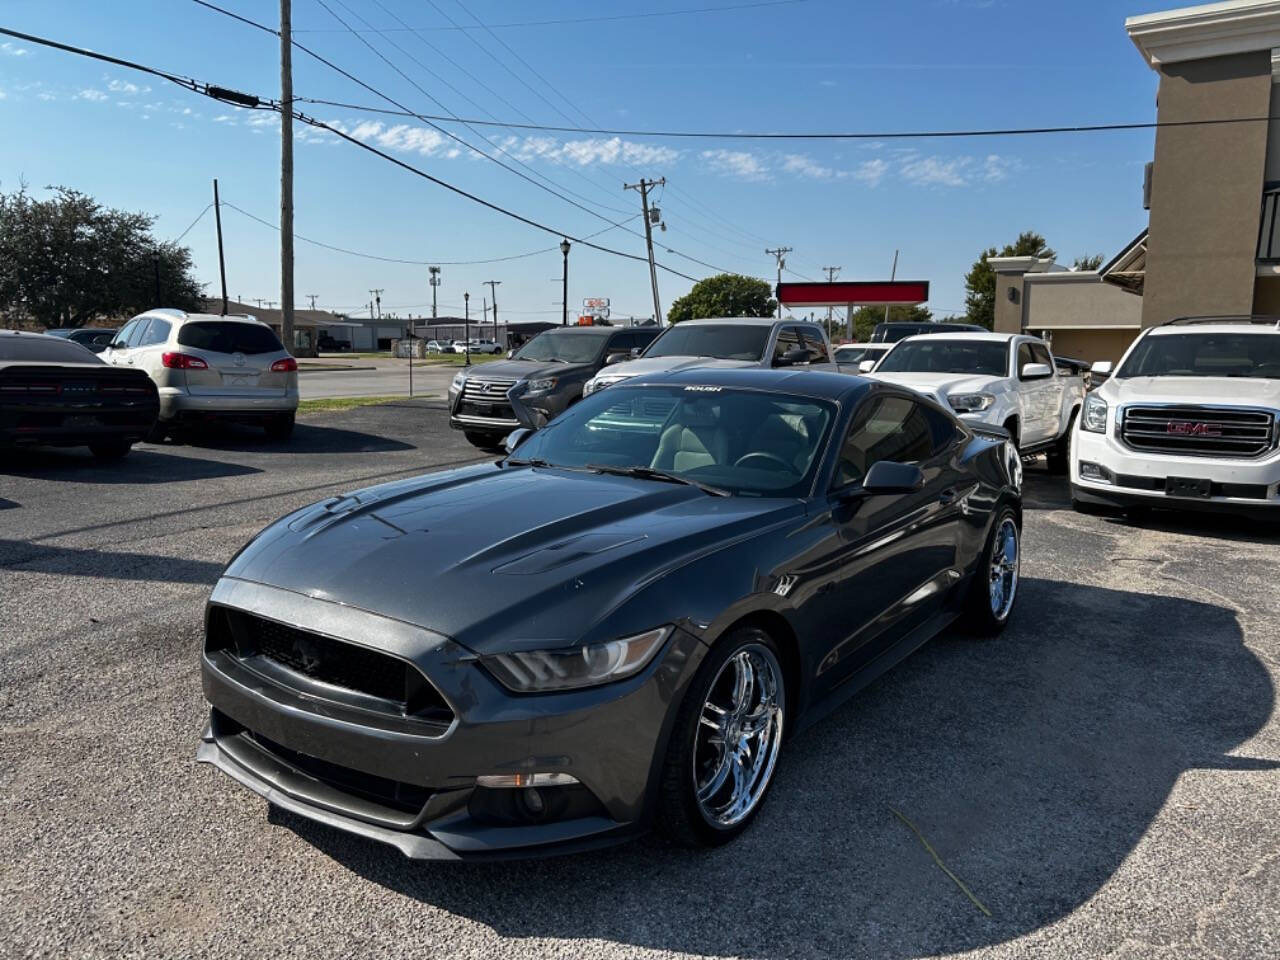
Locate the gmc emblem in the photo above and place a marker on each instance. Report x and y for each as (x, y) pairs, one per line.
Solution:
(1188, 428)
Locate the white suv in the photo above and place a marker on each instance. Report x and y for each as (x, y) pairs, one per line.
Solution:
(209, 367)
(1189, 420)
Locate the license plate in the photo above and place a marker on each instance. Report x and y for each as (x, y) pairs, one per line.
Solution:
(1188, 487)
(238, 381)
(79, 421)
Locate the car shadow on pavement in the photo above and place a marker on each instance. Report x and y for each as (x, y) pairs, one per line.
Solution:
(1033, 764)
(142, 465)
(307, 438)
(26, 557)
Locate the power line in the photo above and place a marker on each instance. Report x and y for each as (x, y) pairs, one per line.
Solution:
(193, 224)
(601, 19)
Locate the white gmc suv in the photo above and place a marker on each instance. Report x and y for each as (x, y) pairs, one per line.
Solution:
(1188, 420)
(999, 379)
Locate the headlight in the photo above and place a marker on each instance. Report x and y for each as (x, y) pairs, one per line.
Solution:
(970, 402)
(539, 671)
(458, 381)
(590, 387)
(599, 383)
(1095, 414)
(542, 385)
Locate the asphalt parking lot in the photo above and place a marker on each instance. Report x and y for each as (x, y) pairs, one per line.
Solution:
(1104, 778)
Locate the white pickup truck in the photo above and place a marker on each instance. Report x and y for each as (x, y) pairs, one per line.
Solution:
(998, 379)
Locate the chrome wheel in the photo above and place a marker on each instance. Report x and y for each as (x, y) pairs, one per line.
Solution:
(738, 736)
(1004, 568)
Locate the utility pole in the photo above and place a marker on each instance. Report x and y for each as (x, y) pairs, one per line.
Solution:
(155, 262)
(564, 283)
(493, 292)
(466, 306)
(832, 273)
(435, 282)
(286, 175)
(376, 293)
(650, 217)
(312, 298)
(780, 255)
(222, 263)
(893, 275)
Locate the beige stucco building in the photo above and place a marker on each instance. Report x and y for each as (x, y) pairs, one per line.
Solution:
(1212, 243)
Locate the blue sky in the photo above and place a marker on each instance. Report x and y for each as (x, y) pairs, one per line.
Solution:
(140, 143)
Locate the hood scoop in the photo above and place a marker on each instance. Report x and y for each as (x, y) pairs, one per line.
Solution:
(566, 552)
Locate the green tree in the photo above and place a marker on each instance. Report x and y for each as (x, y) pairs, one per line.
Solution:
(67, 261)
(866, 318)
(724, 295)
(1089, 261)
(980, 281)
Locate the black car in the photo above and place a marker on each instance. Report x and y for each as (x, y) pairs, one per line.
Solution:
(626, 616)
(330, 344)
(55, 392)
(95, 339)
(539, 381)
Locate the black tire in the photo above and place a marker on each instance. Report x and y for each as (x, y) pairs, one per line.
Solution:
(110, 449)
(979, 619)
(280, 428)
(680, 816)
(484, 441)
(1059, 457)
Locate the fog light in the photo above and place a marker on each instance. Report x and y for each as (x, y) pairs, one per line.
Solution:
(1096, 472)
(533, 801)
(500, 780)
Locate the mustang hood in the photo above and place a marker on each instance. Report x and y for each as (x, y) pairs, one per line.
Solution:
(1229, 391)
(487, 555)
(939, 384)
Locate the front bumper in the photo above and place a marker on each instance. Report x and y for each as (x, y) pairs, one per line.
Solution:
(1236, 485)
(505, 413)
(317, 758)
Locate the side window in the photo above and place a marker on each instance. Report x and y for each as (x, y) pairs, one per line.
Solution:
(1041, 355)
(644, 337)
(157, 332)
(884, 428)
(788, 339)
(815, 344)
(125, 332)
(621, 341)
(1024, 357)
(135, 335)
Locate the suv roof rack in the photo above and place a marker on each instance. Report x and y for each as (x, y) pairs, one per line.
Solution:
(1261, 319)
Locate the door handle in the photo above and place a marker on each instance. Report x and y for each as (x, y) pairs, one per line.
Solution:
(948, 496)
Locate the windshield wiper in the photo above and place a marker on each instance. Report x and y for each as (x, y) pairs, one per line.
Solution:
(519, 462)
(653, 473)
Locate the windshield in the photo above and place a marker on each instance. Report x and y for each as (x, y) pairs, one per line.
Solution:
(746, 442)
(566, 346)
(857, 354)
(229, 336)
(936, 355)
(727, 342)
(1204, 355)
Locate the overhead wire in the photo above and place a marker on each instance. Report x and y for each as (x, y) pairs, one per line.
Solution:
(198, 218)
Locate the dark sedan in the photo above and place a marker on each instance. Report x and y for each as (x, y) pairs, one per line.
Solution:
(621, 621)
(55, 392)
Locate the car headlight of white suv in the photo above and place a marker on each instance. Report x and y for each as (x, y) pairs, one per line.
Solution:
(970, 402)
(1094, 416)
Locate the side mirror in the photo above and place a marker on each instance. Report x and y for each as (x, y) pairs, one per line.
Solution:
(510, 354)
(792, 357)
(1102, 368)
(516, 437)
(866, 366)
(885, 476)
(117, 345)
(1036, 371)
(617, 356)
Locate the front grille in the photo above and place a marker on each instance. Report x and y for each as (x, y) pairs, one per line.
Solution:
(291, 652)
(1198, 431)
(486, 390)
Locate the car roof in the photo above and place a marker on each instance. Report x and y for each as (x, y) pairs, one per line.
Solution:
(181, 316)
(600, 331)
(1216, 327)
(744, 321)
(985, 335)
(808, 383)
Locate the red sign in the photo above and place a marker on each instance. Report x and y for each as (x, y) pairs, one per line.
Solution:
(873, 293)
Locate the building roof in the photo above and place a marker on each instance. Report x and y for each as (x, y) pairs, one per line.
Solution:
(301, 318)
(1208, 30)
(1128, 268)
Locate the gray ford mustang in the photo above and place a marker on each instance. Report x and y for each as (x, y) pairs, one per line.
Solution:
(617, 625)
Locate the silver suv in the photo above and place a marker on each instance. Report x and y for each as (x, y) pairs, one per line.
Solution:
(208, 367)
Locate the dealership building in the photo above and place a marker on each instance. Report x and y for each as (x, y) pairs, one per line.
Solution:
(1212, 240)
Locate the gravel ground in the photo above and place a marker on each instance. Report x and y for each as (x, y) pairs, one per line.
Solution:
(1103, 778)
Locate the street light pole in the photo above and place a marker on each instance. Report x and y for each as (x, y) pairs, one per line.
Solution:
(435, 282)
(155, 262)
(466, 306)
(564, 284)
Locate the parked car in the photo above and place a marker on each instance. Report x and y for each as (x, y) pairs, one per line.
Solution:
(627, 614)
(94, 339)
(437, 346)
(854, 354)
(1001, 379)
(330, 344)
(894, 331)
(725, 342)
(538, 382)
(211, 368)
(55, 392)
(457, 346)
(486, 347)
(1187, 421)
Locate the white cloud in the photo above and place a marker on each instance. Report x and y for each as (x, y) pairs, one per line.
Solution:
(802, 166)
(736, 163)
(46, 96)
(125, 87)
(937, 171)
(827, 83)
(13, 50)
(871, 172)
(3, 95)
(96, 96)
